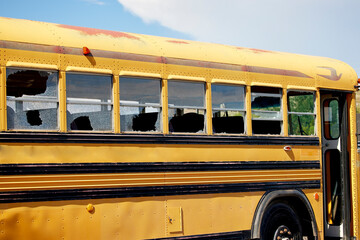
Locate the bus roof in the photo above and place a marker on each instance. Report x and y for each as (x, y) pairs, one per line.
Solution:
(294, 69)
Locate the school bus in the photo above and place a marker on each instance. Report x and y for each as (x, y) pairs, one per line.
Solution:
(112, 135)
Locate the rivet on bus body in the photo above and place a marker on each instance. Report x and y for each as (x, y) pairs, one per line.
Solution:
(316, 196)
(90, 208)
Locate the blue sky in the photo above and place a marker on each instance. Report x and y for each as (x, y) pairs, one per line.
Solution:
(329, 28)
(105, 14)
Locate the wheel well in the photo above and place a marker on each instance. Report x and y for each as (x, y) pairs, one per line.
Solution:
(293, 198)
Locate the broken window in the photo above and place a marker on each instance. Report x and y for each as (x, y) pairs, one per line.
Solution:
(32, 99)
(186, 106)
(266, 110)
(140, 104)
(89, 102)
(228, 108)
(301, 112)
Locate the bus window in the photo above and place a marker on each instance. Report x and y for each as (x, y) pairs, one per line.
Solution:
(186, 107)
(32, 99)
(266, 110)
(228, 108)
(140, 104)
(301, 112)
(89, 102)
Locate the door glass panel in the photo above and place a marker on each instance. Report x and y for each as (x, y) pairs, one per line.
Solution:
(333, 187)
(358, 115)
(331, 119)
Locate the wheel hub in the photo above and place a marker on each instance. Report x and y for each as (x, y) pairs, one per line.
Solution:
(283, 233)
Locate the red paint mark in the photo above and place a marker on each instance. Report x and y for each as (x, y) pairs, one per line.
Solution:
(244, 68)
(333, 74)
(202, 64)
(177, 41)
(59, 49)
(259, 50)
(93, 31)
(161, 60)
(254, 50)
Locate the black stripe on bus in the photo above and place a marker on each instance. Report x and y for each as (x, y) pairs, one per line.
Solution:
(111, 138)
(144, 167)
(130, 192)
(238, 235)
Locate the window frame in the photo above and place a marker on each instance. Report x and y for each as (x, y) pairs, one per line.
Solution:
(203, 108)
(243, 110)
(267, 111)
(280, 119)
(33, 99)
(129, 104)
(302, 113)
(83, 102)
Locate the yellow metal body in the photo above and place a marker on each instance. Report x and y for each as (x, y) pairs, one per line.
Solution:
(156, 216)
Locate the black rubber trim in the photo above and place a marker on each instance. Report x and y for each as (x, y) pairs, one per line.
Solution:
(143, 167)
(128, 192)
(111, 138)
(238, 235)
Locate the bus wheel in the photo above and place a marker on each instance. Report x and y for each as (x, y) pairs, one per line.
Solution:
(280, 222)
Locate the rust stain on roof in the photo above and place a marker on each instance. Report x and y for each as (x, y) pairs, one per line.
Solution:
(94, 32)
(260, 50)
(254, 50)
(177, 42)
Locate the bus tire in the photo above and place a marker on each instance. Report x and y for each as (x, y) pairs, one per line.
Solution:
(280, 222)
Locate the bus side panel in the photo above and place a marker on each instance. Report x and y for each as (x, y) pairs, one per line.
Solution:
(210, 200)
(140, 218)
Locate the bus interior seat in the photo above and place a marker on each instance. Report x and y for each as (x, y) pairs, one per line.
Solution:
(81, 123)
(100, 120)
(232, 124)
(189, 122)
(144, 122)
(266, 127)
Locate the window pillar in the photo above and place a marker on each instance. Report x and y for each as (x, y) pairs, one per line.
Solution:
(62, 101)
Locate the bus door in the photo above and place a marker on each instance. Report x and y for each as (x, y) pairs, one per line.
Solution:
(335, 157)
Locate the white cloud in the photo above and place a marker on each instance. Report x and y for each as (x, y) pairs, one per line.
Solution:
(317, 27)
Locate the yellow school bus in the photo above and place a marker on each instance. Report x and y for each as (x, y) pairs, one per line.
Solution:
(112, 135)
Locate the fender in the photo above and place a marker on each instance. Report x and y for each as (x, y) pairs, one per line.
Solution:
(270, 196)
